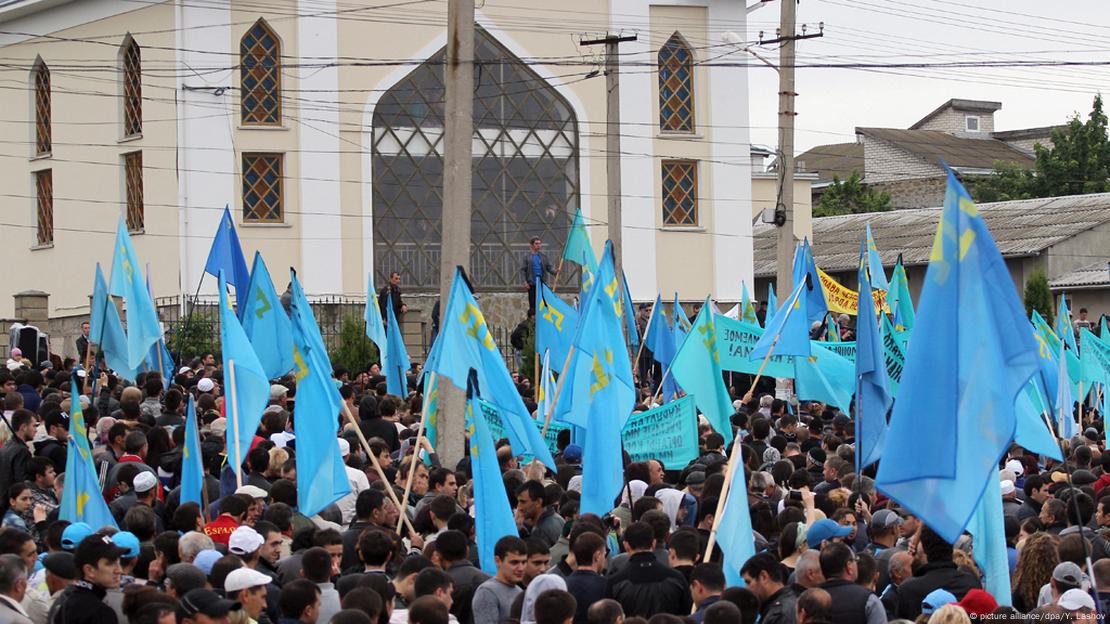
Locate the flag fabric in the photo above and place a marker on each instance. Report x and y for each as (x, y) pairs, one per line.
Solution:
(396, 362)
(321, 477)
(493, 516)
(1095, 358)
(629, 314)
(772, 302)
(789, 325)
(227, 255)
(1066, 427)
(465, 342)
(158, 359)
(106, 329)
(697, 368)
(265, 321)
(1103, 329)
(578, 248)
(192, 462)
(660, 339)
(431, 410)
(681, 325)
(556, 321)
(875, 271)
(143, 327)
(988, 542)
(375, 324)
(1032, 431)
(964, 369)
(546, 390)
(804, 265)
(747, 310)
(734, 529)
(81, 499)
(898, 297)
(604, 392)
(832, 329)
(824, 376)
(246, 385)
(1063, 324)
(873, 398)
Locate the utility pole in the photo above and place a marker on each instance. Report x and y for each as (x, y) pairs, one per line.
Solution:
(458, 132)
(613, 138)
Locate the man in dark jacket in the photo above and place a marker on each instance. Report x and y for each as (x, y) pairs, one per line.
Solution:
(373, 425)
(645, 586)
(536, 265)
(53, 447)
(586, 583)
(451, 549)
(763, 575)
(939, 572)
(98, 567)
(15, 455)
(392, 292)
(851, 603)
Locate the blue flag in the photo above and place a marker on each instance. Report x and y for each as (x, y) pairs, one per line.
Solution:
(265, 321)
(375, 324)
(246, 385)
(159, 358)
(465, 342)
(898, 298)
(772, 302)
(227, 255)
(681, 322)
(1032, 432)
(321, 478)
(804, 265)
(1066, 426)
(660, 340)
(493, 516)
(874, 267)
(556, 322)
(81, 499)
(789, 325)
(747, 308)
(430, 414)
(1063, 324)
(106, 329)
(629, 314)
(965, 367)
(873, 398)
(578, 248)
(734, 528)
(396, 362)
(697, 367)
(988, 543)
(143, 328)
(192, 460)
(824, 376)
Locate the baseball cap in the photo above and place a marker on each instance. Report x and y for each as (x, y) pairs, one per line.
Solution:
(572, 452)
(823, 530)
(1070, 573)
(128, 541)
(205, 559)
(253, 491)
(935, 600)
(145, 482)
(885, 519)
(278, 391)
(206, 385)
(61, 564)
(186, 577)
(183, 370)
(978, 602)
(1007, 487)
(94, 548)
(344, 447)
(1075, 599)
(207, 602)
(74, 533)
(244, 541)
(244, 578)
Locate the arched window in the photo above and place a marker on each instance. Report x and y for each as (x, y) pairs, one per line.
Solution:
(676, 86)
(41, 76)
(525, 164)
(132, 69)
(260, 76)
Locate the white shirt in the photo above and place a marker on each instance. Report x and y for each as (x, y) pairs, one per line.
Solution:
(359, 482)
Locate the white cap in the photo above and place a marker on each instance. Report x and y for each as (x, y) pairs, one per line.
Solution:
(253, 491)
(183, 370)
(277, 391)
(206, 385)
(244, 540)
(245, 578)
(1015, 467)
(1007, 487)
(344, 447)
(145, 481)
(218, 426)
(1075, 599)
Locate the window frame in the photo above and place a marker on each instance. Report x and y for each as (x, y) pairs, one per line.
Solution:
(249, 216)
(44, 208)
(668, 63)
(978, 123)
(693, 213)
(134, 207)
(131, 91)
(42, 102)
(251, 117)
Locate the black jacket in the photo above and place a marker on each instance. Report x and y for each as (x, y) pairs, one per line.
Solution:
(384, 295)
(849, 601)
(381, 428)
(587, 587)
(940, 575)
(82, 603)
(53, 450)
(13, 466)
(645, 587)
(779, 608)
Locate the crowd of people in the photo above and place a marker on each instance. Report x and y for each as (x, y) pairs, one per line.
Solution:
(830, 547)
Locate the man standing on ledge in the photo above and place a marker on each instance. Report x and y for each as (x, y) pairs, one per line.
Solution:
(393, 288)
(536, 265)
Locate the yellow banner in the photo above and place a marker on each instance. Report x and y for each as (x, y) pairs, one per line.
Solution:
(842, 299)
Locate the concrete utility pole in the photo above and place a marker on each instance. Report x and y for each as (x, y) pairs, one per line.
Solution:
(613, 138)
(785, 247)
(455, 225)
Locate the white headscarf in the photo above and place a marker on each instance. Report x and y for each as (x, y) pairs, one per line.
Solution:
(672, 501)
(539, 585)
(637, 487)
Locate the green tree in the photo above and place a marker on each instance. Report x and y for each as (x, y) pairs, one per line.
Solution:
(528, 353)
(195, 336)
(356, 351)
(851, 196)
(1078, 162)
(1038, 297)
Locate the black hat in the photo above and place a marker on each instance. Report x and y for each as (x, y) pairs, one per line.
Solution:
(1083, 477)
(94, 548)
(207, 602)
(817, 456)
(61, 564)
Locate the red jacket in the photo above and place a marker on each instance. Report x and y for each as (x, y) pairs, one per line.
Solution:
(1102, 482)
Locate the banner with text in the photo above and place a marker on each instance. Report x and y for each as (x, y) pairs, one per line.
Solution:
(842, 299)
(735, 340)
(668, 433)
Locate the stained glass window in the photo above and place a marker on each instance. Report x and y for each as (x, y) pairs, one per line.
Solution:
(44, 200)
(132, 89)
(133, 180)
(260, 76)
(676, 86)
(525, 165)
(262, 188)
(680, 192)
(42, 108)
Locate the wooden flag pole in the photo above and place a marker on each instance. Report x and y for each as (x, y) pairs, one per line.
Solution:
(557, 272)
(643, 339)
(377, 466)
(558, 389)
(412, 470)
(233, 392)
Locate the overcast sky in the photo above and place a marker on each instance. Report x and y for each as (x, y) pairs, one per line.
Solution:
(833, 101)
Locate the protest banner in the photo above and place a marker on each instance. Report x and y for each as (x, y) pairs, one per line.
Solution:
(668, 433)
(735, 340)
(843, 300)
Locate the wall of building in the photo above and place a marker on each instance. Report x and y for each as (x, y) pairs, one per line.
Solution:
(765, 187)
(885, 162)
(954, 121)
(914, 192)
(1078, 251)
(1027, 145)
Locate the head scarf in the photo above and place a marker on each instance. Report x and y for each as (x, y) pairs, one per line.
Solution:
(539, 585)
(637, 487)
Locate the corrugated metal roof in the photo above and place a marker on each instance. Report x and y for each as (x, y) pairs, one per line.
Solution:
(933, 146)
(1020, 228)
(838, 159)
(1094, 275)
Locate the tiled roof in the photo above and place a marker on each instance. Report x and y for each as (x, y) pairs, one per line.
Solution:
(932, 146)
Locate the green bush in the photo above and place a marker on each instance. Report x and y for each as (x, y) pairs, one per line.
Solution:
(356, 352)
(1038, 297)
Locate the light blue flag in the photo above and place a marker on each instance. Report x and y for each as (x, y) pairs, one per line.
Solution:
(556, 322)
(824, 376)
(629, 314)
(227, 255)
(606, 394)
(106, 329)
(321, 478)
(265, 321)
(246, 385)
(1095, 358)
(375, 324)
(578, 248)
(159, 358)
(1066, 427)
(143, 328)
(431, 410)
(965, 367)
(1063, 324)
(396, 362)
(81, 499)
(832, 330)
(1032, 432)
(894, 351)
(493, 516)
(747, 310)
(465, 342)
(681, 322)
(875, 269)
(789, 325)
(772, 302)
(804, 265)
(734, 529)
(898, 297)
(873, 398)
(660, 340)
(192, 462)
(988, 542)
(697, 368)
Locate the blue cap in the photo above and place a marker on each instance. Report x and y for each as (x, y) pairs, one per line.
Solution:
(823, 530)
(572, 452)
(74, 533)
(128, 540)
(206, 559)
(935, 600)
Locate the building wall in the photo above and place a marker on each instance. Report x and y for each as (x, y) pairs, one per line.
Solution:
(765, 188)
(954, 121)
(1027, 145)
(913, 192)
(884, 162)
(1078, 251)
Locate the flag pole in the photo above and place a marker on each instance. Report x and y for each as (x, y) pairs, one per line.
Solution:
(377, 466)
(412, 471)
(643, 339)
(656, 397)
(235, 423)
(558, 389)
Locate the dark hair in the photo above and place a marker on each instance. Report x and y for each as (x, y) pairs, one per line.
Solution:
(224, 565)
(1032, 483)
(437, 477)
(375, 547)
(605, 611)
(296, 596)
(280, 515)
(135, 441)
(234, 505)
(22, 417)
(639, 536)
(452, 546)
(38, 466)
(745, 600)
(316, 565)
(259, 458)
(429, 580)
(53, 535)
(368, 501)
(153, 386)
(585, 546)
(722, 612)
(763, 562)
(185, 517)
(554, 606)
(816, 602)
(835, 558)
(935, 547)
(17, 488)
(644, 505)
(364, 599)
(686, 543)
(866, 568)
(535, 491)
(709, 575)
(428, 610)
(1082, 505)
(509, 544)
(165, 543)
(659, 522)
(442, 507)
(350, 616)
(284, 491)
(142, 521)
